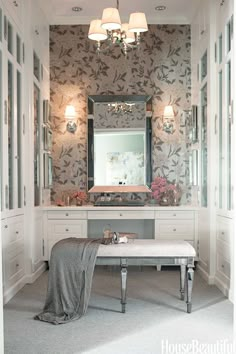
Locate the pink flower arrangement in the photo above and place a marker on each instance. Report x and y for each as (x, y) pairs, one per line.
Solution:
(160, 186)
(80, 196)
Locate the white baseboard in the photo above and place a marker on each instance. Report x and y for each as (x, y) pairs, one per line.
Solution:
(13, 290)
(209, 279)
(222, 286)
(30, 278)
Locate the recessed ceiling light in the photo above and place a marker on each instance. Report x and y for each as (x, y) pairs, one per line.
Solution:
(160, 8)
(77, 9)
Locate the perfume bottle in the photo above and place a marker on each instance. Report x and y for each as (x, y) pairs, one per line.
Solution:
(107, 231)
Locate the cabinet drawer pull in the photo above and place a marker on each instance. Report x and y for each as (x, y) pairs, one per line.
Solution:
(67, 214)
(17, 232)
(174, 229)
(121, 215)
(222, 233)
(6, 226)
(17, 265)
(174, 214)
(67, 230)
(222, 266)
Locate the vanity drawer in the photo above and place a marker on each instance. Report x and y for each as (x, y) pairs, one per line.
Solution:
(14, 269)
(222, 265)
(119, 214)
(181, 215)
(70, 214)
(223, 231)
(73, 228)
(177, 230)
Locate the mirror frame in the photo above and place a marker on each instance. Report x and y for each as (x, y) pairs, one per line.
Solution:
(93, 99)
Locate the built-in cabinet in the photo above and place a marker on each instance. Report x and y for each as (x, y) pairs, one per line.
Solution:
(13, 255)
(224, 128)
(147, 222)
(21, 240)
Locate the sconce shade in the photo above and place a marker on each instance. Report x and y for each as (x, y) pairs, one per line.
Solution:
(130, 36)
(138, 22)
(168, 112)
(96, 32)
(70, 112)
(111, 19)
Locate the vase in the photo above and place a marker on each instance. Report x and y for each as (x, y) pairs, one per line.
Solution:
(165, 199)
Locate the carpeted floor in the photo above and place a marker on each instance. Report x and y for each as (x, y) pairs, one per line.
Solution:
(155, 322)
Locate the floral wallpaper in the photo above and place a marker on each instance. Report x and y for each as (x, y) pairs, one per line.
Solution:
(160, 68)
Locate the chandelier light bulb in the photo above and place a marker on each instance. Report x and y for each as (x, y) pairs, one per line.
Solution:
(111, 19)
(138, 22)
(129, 36)
(96, 32)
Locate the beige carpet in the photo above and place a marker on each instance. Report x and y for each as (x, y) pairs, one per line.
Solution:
(155, 322)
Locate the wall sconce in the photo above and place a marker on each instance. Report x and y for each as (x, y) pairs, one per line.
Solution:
(70, 114)
(168, 120)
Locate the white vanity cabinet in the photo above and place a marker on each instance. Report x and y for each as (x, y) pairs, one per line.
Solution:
(63, 224)
(177, 225)
(147, 222)
(224, 251)
(13, 255)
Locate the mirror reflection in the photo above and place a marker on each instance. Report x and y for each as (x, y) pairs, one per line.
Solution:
(119, 143)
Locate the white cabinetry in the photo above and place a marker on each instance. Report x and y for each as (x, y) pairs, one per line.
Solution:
(176, 225)
(13, 255)
(223, 253)
(64, 224)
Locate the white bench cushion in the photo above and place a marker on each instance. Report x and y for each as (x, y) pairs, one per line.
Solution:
(148, 248)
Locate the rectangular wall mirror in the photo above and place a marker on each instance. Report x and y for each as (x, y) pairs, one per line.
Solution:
(119, 143)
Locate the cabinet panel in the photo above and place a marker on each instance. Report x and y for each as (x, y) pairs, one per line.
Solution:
(174, 230)
(14, 269)
(119, 214)
(222, 265)
(80, 214)
(183, 215)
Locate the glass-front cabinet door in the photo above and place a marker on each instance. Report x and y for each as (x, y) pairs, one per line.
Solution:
(11, 126)
(224, 126)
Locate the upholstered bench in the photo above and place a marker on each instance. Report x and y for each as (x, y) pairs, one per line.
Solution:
(148, 253)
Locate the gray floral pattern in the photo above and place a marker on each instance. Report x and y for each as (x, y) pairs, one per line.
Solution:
(160, 68)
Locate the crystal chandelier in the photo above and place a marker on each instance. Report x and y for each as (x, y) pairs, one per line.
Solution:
(120, 107)
(110, 30)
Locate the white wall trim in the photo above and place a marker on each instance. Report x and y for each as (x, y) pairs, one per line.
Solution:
(222, 286)
(13, 290)
(30, 278)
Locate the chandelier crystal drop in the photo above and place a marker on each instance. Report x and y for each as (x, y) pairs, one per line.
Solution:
(110, 31)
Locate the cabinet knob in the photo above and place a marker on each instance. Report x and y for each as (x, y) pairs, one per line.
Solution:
(67, 230)
(174, 229)
(174, 214)
(67, 214)
(222, 233)
(17, 232)
(6, 226)
(17, 265)
(222, 265)
(120, 214)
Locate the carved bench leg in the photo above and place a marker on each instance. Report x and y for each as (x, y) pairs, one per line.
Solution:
(182, 280)
(123, 283)
(190, 277)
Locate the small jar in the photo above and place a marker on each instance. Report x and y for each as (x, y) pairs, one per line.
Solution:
(107, 231)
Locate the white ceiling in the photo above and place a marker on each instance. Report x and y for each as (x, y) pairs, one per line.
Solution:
(177, 11)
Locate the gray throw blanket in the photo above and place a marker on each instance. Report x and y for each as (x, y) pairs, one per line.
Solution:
(70, 278)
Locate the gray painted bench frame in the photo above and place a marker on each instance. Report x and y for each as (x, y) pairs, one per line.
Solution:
(186, 272)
